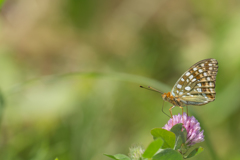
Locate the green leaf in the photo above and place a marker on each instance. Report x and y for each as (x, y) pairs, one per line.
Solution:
(179, 130)
(168, 137)
(195, 152)
(153, 148)
(56, 158)
(118, 156)
(181, 135)
(168, 154)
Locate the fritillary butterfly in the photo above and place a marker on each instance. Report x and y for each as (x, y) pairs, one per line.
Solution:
(195, 87)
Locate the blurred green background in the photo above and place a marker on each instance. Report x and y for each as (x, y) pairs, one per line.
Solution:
(70, 72)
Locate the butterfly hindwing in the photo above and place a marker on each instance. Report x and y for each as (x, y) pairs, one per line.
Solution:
(197, 85)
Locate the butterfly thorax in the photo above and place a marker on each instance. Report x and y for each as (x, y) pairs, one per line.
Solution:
(174, 100)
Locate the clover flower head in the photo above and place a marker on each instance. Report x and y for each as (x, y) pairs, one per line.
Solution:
(194, 135)
(135, 153)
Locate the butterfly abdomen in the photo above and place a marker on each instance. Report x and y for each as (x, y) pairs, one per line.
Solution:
(174, 100)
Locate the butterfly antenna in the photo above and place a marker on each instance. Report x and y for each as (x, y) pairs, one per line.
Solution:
(152, 89)
(163, 110)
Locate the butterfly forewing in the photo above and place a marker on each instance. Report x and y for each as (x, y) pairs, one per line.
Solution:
(197, 85)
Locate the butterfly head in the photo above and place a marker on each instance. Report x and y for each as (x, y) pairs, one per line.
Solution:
(166, 96)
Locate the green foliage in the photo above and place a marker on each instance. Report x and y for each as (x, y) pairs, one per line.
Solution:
(118, 157)
(181, 135)
(168, 137)
(168, 154)
(153, 148)
(167, 145)
(195, 152)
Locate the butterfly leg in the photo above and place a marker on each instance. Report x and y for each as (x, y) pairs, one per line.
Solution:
(182, 109)
(164, 112)
(182, 113)
(170, 110)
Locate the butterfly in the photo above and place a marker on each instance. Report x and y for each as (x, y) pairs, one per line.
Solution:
(195, 87)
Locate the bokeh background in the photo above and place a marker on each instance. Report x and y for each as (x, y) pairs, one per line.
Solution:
(70, 72)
